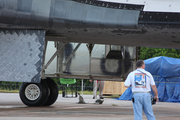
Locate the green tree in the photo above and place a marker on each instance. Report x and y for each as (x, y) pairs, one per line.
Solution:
(146, 53)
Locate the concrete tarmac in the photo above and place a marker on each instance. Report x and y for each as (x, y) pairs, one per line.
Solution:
(11, 108)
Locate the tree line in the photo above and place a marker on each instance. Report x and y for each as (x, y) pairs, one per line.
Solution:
(146, 53)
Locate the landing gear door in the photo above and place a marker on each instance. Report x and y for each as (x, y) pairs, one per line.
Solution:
(21, 54)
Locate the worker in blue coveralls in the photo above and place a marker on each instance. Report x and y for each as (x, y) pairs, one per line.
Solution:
(141, 82)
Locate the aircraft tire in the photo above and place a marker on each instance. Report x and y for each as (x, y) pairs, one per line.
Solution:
(45, 87)
(33, 94)
(53, 95)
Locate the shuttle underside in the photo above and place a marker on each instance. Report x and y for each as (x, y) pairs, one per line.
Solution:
(149, 23)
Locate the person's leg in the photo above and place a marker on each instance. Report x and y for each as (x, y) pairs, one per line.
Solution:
(95, 89)
(137, 106)
(148, 111)
(98, 84)
(101, 87)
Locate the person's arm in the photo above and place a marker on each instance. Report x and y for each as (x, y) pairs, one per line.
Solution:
(127, 82)
(128, 86)
(154, 88)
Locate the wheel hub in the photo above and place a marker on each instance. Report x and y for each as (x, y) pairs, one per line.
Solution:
(32, 92)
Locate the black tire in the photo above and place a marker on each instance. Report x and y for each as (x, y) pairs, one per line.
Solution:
(53, 95)
(46, 97)
(28, 100)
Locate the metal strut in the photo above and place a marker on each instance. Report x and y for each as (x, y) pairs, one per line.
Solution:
(78, 45)
(55, 54)
(90, 48)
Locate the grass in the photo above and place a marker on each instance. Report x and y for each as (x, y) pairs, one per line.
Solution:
(87, 92)
(91, 93)
(60, 92)
(9, 91)
(84, 92)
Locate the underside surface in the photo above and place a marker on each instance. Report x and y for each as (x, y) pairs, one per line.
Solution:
(21, 55)
(145, 37)
(98, 22)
